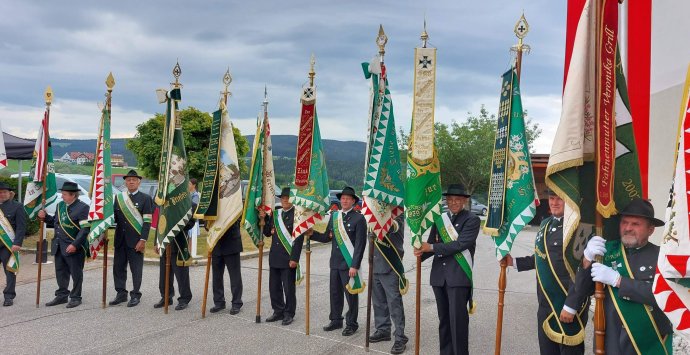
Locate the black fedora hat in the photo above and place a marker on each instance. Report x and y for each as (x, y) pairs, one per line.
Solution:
(70, 186)
(549, 192)
(456, 190)
(642, 208)
(4, 186)
(348, 191)
(285, 192)
(132, 173)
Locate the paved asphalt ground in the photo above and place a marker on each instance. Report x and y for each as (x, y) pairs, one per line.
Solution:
(89, 329)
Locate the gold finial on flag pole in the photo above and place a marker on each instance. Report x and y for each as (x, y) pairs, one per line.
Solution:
(227, 79)
(177, 71)
(521, 29)
(381, 41)
(312, 72)
(48, 95)
(424, 36)
(110, 81)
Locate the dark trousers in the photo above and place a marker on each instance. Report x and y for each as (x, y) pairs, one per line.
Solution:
(549, 347)
(281, 286)
(453, 333)
(181, 273)
(387, 303)
(10, 277)
(339, 279)
(125, 255)
(218, 265)
(66, 266)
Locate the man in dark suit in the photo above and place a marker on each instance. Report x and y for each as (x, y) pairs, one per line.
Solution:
(553, 282)
(133, 210)
(283, 263)
(71, 228)
(15, 221)
(355, 226)
(452, 285)
(180, 261)
(226, 254)
(627, 271)
(389, 286)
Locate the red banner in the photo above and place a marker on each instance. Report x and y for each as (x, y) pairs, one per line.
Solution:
(304, 146)
(606, 97)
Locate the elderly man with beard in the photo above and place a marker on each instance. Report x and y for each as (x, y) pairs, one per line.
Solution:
(634, 322)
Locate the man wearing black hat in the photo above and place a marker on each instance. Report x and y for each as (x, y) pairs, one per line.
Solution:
(69, 244)
(452, 284)
(133, 210)
(553, 282)
(283, 260)
(634, 322)
(226, 255)
(12, 231)
(350, 231)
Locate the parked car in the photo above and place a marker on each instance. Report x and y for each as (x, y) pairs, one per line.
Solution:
(478, 208)
(84, 183)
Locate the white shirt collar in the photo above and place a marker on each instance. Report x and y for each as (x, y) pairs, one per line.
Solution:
(348, 211)
(133, 193)
(289, 209)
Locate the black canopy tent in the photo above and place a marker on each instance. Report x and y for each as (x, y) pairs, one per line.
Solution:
(18, 149)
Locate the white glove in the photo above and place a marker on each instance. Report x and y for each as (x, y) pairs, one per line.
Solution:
(604, 274)
(595, 247)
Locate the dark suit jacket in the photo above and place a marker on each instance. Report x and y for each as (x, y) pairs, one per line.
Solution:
(278, 256)
(381, 266)
(14, 212)
(230, 242)
(356, 227)
(78, 211)
(642, 262)
(445, 270)
(124, 232)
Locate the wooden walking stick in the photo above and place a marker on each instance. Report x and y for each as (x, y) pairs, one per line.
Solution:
(105, 267)
(262, 223)
(203, 301)
(308, 252)
(369, 292)
(48, 99)
(521, 29)
(168, 257)
(418, 304)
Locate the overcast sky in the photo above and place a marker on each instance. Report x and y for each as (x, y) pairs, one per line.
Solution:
(72, 45)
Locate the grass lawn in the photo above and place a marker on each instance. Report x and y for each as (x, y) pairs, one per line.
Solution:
(202, 245)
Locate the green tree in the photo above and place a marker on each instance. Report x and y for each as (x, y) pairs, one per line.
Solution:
(465, 149)
(196, 128)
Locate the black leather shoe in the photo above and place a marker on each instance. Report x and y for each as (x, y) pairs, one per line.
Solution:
(349, 331)
(56, 301)
(379, 336)
(161, 303)
(287, 320)
(234, 310)
(181, 305)
(216, 309)
(332, 326)
(118, 300)
(133, 302)
(73, 303)
(8, 302)
(274, 317)
(398, 347)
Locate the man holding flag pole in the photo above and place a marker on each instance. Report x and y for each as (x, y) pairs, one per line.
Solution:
(12, 232)
(383, 208)
(175, 202)
(220, 204)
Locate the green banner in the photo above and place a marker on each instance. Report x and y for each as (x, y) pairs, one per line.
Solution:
(513, 186)
(255, 188)
(101, 211)
(422, 196)
(173, 186)
(208, 199)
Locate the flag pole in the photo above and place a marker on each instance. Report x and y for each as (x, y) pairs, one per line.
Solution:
(262, 221)
(599, 295)
(312, 74)
(381, 40)
(110, 83)
(521, 29)
(48, 99)
(418, 279)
